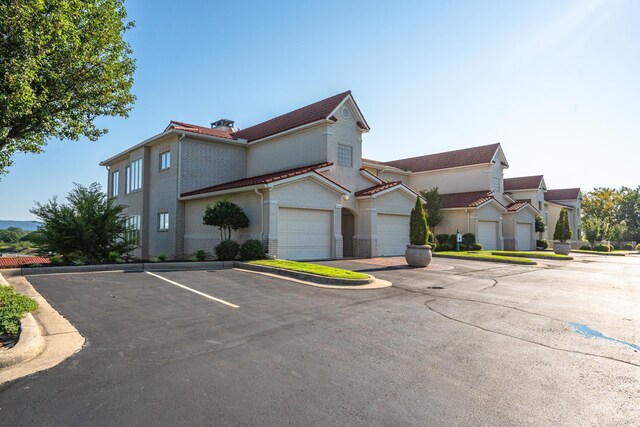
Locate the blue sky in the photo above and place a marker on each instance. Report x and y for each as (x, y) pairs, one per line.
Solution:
(556, 82)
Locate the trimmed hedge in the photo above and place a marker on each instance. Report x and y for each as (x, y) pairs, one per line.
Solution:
(627, 247)
(476, 247)
(602, 248)
(469, 239)
(445, 247)
(542, 244)
(585, 248)
(227, 250)
(252, 250)
(442, 238)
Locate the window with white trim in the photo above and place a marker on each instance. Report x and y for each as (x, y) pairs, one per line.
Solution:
(133, 229)
(163, 221)
(165, 160)
(345, 155)
(134, 176)
(115, 182)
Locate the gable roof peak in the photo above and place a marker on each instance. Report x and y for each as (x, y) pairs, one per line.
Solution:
(448, 159)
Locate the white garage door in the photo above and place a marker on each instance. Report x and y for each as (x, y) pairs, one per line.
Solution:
(523, 236)
(304, 234)
(393, 234)
(488, 234)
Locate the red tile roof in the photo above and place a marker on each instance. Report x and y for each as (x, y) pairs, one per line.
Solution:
(449, 159)
(471, 199)
(515, 207)
(199, 129)
(522, 183)
(562, 194)
(264, 179)
(377, 188)
(302, 116)
(19, 261)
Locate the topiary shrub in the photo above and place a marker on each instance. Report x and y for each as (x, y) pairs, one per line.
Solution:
(563, 230)
(463, 247)
(452, 240)
(542, 244)
(476, 247)
(469, 239)
(200, 255)
(446, 247)
(442, 238)
(585, 248)
(227, 250)
(603, 248)
(252, 250)
(418, 229)
(627, 247)
(638, 247)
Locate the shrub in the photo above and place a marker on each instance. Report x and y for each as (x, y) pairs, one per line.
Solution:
(603, 248)
(638, 247)
(615, 247)
(252, 250)
(227, 250)
(418, 225)
(442, 238)
(542, 244)
(161, 258)
(12, 307)
(469, 239)
(452, 240)
(200, 255)
(585, 248)
(226, 216)
(114, 257)
(477, 247)
(446, 247)
(463, 247)
(627, 247)
(563, 230)
(55, 260)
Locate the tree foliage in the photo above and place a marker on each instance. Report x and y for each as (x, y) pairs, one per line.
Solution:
(629, 212)
(540, 225)
(12, 235)
(602, 203)
(595, 230)
(226, 216)
(433, 207)
(418, 230)
(62, 64)
(563, 229)
(87, 228)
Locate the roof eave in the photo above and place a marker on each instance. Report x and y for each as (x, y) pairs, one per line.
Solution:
(292, 130)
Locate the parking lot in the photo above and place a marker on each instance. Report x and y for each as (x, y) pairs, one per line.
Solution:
(462, 343)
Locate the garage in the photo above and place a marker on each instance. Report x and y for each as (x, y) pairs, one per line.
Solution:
(393, 234)
(524, 236)
(488, 234)
(304, 234)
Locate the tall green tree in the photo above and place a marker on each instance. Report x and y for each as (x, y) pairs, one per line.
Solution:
(563, 229)
(595, 230)
(629, 212)
(433, 207)
(87, 228)
(602, 203)
(63, 63)
(418, 230)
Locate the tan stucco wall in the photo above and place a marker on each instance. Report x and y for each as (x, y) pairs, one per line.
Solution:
(525, 216)
(460, 180)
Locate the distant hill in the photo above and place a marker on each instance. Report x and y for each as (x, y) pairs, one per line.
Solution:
(25, 225)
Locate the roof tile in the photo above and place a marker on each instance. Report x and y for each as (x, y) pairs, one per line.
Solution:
(449, 159)
(562, 194)
(522, 183)
(471, 199)
(19, 261)
(377, 188)
(200, 129)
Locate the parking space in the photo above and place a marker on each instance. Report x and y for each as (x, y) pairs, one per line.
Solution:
(466, 344)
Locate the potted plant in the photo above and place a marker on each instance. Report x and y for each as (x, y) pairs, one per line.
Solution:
(562, 233)
(418, 253)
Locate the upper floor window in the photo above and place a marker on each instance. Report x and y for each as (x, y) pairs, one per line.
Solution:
(115, 183)
(163, 221)
(345, 155)
(133, 229)
(134, 176)
(165, 160)
(495, 185)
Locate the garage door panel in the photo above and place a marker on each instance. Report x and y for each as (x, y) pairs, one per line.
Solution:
(393, 234)
(524, 236)
(304, 234)
(488, 234)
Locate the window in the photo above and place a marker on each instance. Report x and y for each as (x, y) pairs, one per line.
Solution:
(133, 229)
(165, 160)
(495, 185)
(134, 176)
(163, 221)
(345, 155)
(115, 182)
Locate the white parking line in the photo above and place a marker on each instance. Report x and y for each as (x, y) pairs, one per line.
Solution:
(193, 290)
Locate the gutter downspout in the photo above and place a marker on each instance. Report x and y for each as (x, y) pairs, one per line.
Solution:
(468, 221)
(261, 214)
(180, 163)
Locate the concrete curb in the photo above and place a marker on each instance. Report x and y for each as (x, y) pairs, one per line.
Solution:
(60, 339)
(487, 260)
(136, 267)
(376, 284)
(30, 343)
(320, 280)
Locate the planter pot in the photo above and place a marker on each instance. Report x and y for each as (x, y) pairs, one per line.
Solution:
(418, 255)
(562, 248)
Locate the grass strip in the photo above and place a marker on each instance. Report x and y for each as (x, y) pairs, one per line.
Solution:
(305, 267)
(614, 253)
(484, 256)
(12, 307)
(540, 255)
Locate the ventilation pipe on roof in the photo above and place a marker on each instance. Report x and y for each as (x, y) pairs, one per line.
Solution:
(225, 125)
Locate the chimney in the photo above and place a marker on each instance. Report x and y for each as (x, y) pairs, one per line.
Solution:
(223, 125)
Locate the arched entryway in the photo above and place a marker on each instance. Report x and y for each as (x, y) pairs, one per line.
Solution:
(348, 230)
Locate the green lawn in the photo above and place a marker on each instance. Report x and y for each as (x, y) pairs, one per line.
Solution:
(527, 254)
(486, 256)
(12, 307)
(614, 253)
(305, 267)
